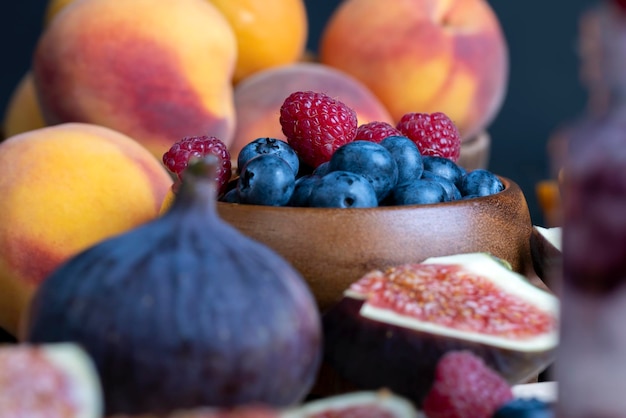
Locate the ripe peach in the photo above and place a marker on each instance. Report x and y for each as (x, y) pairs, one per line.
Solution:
(22, 113)
(423, 56)
(63, 189)
(258, 98)
(52, 8)
(156, 71)
(269, 33)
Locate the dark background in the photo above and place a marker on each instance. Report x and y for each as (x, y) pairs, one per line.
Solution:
(543, 92)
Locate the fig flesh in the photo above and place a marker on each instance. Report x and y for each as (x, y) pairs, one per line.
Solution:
(392, 326)
(361, 404)
(185, 311)
(52, 380)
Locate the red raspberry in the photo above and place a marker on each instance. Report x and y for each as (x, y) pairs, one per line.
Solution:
(465, 387)
(315, 125)
(376, 131)
(177, 157)
(434, 134)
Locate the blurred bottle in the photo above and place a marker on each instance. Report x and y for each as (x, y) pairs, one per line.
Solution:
(592, 57)
(591, 361)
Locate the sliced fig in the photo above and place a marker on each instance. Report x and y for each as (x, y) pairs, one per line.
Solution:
(392, 326)
(545, 249)
(53, 380)
(249, 411)
(362, 404)
(255, 411)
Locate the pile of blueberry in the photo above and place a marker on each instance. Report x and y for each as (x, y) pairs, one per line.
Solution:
(359, 174)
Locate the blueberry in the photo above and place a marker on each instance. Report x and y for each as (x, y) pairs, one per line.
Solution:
(469, 196)
(443, 167)
(417, 192)
(343, 189)
(407, 157)
(266, 180)
(321, 169)
(265, 145)
(480, 182)
(232, 184)
(231, 196)
(370, 160)
(302, 190)
(525, 408)
(452, 192)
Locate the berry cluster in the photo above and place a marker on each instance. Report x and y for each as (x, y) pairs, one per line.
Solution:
(330, 161)
(359, 173)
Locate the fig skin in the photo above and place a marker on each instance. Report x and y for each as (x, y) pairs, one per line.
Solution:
(370, 402)
(403, 359)
(183, 312)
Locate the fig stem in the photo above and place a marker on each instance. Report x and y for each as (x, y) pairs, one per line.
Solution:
(199, 183)
(202, 166)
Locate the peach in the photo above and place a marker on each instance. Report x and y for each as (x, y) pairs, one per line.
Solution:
(269, 33)
(155, 71)
(258, 98)
(423, 56)
(22, 113)
(63, 189)
(52, 8)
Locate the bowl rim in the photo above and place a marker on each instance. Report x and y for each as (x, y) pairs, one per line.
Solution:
(510, 188)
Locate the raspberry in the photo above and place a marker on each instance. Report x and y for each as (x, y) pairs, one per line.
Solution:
(315, 125)
(177, 157)
(434, 134)
(376, 131)
(465, 387)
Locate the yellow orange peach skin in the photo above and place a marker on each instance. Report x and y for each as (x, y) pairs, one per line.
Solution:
(423, 56)
(22, 113)
(64, 188)
(156, 71)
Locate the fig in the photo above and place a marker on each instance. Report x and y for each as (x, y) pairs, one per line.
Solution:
(248, 411)
(185, 311)
(545, 250)
(48, 380)
(392, 326)
(362, 404)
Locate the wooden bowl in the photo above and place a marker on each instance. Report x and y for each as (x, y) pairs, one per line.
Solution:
(332, 248)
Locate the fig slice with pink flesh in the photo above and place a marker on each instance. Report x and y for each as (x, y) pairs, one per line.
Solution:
(361, 404)
(393, 325)
(51, 380)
